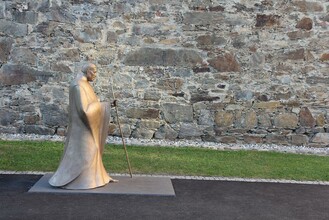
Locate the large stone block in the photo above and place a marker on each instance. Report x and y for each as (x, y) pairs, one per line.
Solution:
(209, 135)
(305, 118)
(264, 121)
(112, 37)
(143, 113)
(60, 67)
(61, 131)
(276, 139)
(224, 119)
(205, 117)
(225, 63)
(31, 119)
(162, 57)
(227, 139)
(20, 74)
(244, 95)
(203, 18)
(296, 35)
(5, 48)
(257, 59)
(166, 132)
(262, 97)
(174, 113)
(147, 29)
(286, 120)
(115, 131)
(267, 105)
(112, 128)
(320, 120)
(24, 55)
(12, 28)
(145, 129)
(307, 6)
(8, 117)
(53, 115)
(38, 129)
(142, 133)
(181, 72)
(305, 23)
(208, 41)
(321, 138)
(294, 55)
(25, 17)
(202, 96)
(263, 20)
(253, 138)
(171, 84)
(201, 69)
(189, 131)
(152, 95)
(324, 57)
(148, 124)
(88, 35)
(46, 28)
(299, 140)
(239, 42)
(15, 74)
(41, 5)
(234, 107)
(249, 120)
(72, 54)
(61, 14)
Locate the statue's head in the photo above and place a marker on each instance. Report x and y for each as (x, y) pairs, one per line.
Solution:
(90, 71)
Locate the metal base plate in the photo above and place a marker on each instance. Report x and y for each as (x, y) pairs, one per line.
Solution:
(156, 186)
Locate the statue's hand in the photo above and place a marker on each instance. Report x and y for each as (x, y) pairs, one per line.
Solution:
(114, 103)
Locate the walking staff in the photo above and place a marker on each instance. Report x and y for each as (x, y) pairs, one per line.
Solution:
(119, 125)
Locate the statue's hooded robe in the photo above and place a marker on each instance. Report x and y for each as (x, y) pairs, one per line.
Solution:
(81, 166)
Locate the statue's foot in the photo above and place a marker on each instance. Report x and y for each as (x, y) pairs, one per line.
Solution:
(113, 180)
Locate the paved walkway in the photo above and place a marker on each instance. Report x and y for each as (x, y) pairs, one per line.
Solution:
(195, 199)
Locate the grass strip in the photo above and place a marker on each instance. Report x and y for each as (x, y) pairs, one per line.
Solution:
(45, 156)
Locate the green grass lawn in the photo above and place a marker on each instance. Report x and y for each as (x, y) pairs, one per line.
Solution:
(45, 156)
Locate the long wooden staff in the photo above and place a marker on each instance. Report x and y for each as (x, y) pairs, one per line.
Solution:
(123, 141)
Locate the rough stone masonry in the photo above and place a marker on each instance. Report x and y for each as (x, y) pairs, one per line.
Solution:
(213, 70)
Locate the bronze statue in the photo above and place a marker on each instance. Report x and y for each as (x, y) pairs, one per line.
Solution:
(81, 166)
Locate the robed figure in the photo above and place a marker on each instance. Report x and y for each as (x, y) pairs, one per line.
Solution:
(81, 166)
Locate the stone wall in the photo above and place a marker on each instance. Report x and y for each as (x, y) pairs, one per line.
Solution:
(224, 71)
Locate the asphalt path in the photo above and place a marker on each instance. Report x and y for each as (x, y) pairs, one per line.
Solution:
(195, 199)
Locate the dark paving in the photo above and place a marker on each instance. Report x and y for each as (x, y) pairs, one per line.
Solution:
(195, 199)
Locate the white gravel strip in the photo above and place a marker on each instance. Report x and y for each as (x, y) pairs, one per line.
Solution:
(232, 179)
(183, 143)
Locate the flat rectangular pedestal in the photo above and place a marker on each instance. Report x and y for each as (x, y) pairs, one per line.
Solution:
(157, 186)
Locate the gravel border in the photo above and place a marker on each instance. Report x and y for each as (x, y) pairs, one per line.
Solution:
(184, 143)
(217, 178)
